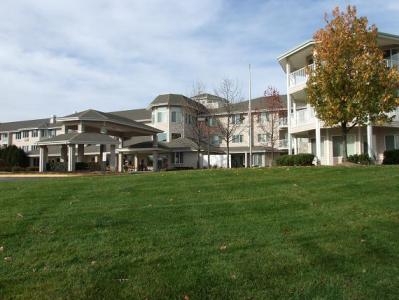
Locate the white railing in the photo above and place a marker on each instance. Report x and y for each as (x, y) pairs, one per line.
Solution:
(391, 63)
(283, 121)
(303, 116)
(282, 144)
(299, 76)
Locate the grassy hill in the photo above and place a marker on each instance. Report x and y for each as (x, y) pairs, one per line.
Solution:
(296, 233)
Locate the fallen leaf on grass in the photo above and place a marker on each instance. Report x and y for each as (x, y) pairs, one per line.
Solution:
(223, 247)
(1, 248)
(19, 215)
(8, 258)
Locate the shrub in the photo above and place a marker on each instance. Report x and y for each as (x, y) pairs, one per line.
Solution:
(302, 159)
(32, 169)
(362, 159)
(81, 166)
(56, 166)
(391, 157)
(17, 169)
(14, 156)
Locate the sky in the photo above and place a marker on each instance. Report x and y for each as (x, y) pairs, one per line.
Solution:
(62, 56)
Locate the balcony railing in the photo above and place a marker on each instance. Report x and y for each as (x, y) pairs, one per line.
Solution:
(282, 144)
(299, 76)
(303, 116)
(283, 121)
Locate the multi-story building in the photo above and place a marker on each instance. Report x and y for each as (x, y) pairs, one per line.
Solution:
(308, 134)
(174, 131)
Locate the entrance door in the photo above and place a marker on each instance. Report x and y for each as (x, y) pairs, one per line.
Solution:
(237, 160)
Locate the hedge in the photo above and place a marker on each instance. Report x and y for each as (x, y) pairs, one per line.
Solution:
(391, 157)
(302, 159)
(363, 159)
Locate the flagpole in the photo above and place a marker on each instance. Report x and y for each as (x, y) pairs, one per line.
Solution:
(250, 117)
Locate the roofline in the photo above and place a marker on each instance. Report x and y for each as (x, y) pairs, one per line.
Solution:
(388, 35)
(296, 49)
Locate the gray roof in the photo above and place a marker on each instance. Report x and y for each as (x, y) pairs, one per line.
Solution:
(28, 124)
(95, 115)
(257, 104)
(175, 100)
(134, 114)
(79, 138)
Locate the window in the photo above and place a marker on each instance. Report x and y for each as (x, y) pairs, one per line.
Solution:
(351, 146)
(264, 137)
(34, 147)
(51, 132)
(391, 142)
(215, 140)
(162, 137)
(17, 135)
(257, 159)
(263, 117)
(25, 134)
(212, 122)
(337, 146)
(177, 158)
(43, 132)
(176, 136)
(176, 116)
(35, 133)
(237, 119)
(237, 138)
(161, 116)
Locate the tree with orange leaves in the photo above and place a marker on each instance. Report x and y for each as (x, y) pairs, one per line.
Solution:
(350, 83)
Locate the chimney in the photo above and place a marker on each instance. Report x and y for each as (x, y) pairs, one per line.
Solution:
(53, 119)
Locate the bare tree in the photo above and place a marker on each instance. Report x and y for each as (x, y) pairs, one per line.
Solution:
(268, 121)
(227, 119)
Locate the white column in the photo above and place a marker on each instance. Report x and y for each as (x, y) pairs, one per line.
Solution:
(246, 160)
(71, 158)
(295, 143)
(43, 158)
(120, 156)
(112, 159)
(155, 153)
(318, 140)
(136, 162)
(327, 147)
(289, 138)
(81, 152)
(101, 158)
(370, 146)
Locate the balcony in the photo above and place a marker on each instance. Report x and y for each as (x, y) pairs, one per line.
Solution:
(303, 119)
(282, 144)
(298, 77)
(392, 63)
(283, 122)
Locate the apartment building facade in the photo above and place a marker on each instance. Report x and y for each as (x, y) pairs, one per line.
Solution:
(178, 132)
(308, 134)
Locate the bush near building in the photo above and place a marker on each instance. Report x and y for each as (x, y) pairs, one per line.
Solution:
(391, 157)
(12, 156)
(302, 159)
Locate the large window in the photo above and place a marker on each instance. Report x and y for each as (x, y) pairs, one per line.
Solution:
(35, 133)
(264, 137)
(391, 142)
(237, 138)
(215, 140)
(338, 147)
(237, 119)
(17, 135)
(176, 116)
(212, 122)
(177, 158)
(257, 159)
(161, 117)
(162, 137)
(25, 134)
(263, 117)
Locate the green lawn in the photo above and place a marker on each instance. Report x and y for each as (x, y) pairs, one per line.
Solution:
(296, 233)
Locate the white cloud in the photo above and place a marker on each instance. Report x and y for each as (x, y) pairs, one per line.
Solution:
(66, 55)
